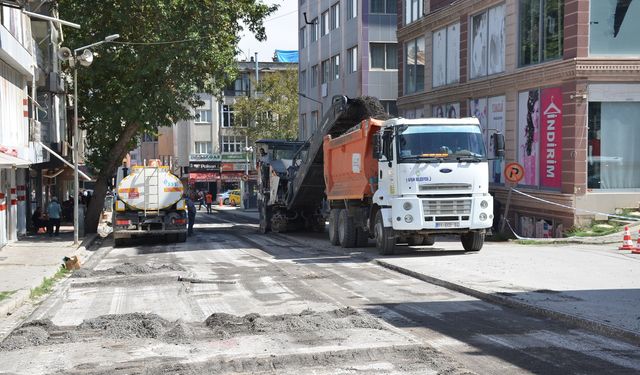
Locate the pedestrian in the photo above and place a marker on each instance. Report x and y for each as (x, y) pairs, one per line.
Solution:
(38, 221)
(191, 214)
(54, 211)
(209, 200)
(200, 195)
(246, 199)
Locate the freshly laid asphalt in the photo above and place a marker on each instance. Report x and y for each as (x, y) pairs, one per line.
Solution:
(594, 286)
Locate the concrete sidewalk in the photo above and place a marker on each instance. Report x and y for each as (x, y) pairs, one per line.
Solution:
(25, 263)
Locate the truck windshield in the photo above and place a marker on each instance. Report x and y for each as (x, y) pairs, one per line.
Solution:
(440, 142)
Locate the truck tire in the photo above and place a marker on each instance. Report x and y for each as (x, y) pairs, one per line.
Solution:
(415, 240)
(346, 230)
(429, 240)
(362, 238)
(334, 215)
(385, 238)
(472, 241)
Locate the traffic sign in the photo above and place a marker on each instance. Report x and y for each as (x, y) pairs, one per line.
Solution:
(514, 172)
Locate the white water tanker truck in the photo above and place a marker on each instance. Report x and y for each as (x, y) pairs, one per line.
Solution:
(149, 203)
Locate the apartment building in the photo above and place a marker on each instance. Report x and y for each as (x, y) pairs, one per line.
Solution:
(560, 78)
(347, 47)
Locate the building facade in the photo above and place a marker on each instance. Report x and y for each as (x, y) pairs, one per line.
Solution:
(347, 47)
(561, 80)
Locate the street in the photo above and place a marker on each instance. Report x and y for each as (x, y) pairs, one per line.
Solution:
(230, 300)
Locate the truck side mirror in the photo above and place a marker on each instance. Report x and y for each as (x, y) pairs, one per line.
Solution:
(498, 142)
(377, 146)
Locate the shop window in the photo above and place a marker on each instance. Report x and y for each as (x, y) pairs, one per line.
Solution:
(541, 30)
(490, 112)
(487, 53)
(414, 60)
(612, 145)
(446, 55)
(383, 56)
(614, 27)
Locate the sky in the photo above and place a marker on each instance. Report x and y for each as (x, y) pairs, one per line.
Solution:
(282, 32)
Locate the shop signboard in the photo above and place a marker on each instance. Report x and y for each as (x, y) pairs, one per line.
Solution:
(551, 138)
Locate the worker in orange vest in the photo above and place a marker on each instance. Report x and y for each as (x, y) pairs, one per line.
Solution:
(208, 200)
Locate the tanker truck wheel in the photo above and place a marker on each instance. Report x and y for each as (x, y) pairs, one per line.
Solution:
(385, 238)
(346, 230)
(333, 226)
(472, 241)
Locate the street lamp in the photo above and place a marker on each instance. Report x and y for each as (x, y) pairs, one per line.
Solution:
(85, 59)
(247, 151)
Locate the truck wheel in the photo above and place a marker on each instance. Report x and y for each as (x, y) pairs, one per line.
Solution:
(362, 238)
(415, 240)
(385, 238)
(346, 230)
(334, 215)
(472, 241)
(429, 240)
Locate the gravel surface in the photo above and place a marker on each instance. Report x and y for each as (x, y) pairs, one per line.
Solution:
(128, 269)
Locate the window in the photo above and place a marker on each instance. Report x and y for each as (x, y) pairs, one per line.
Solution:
(383, 6)
(303, 37)
(487, 43)
(325, 71)
(303, 127)
(233, 143)
(412, 10)
(335, 16)
(303, 81)
(203, 116)
(314, 121)
(203, 148)
(314, 29)
(352, 59)
(227, 116)
(541, 30)
(324, 27)
(614, 28)
(335, 67)
(239, 87)
(314, 75)
(390, 107)
(414, 66)
(352, 9)
(446, 55)
(383, 55)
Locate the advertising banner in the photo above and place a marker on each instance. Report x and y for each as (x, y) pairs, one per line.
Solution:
(496, 122)
(528, 135)
(551, 138)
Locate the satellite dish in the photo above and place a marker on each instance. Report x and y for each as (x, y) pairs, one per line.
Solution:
(64, 54)
(86, 58)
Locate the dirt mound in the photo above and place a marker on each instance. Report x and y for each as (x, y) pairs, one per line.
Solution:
(25, 337)
(129, 325)
(129, 269)
(225, 325)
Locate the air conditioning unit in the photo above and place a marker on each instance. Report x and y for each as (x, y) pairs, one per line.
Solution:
(325, 90)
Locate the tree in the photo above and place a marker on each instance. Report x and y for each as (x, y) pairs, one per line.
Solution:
(168, 51)
(273, 112)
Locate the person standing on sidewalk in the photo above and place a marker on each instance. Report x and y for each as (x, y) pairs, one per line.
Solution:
(245, 199)
(54, 211)
(208, 200)
(200, 199)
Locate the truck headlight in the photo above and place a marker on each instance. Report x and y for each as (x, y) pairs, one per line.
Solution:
(484, 204)
(483, 216)
(408, 218)
(407, 206)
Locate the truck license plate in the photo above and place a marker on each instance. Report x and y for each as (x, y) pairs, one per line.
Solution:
(447, 225)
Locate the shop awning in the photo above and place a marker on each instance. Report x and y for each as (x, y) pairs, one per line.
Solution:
(84, 175)
(8, 161)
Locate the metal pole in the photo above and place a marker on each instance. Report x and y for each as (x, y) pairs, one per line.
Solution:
(76, 141)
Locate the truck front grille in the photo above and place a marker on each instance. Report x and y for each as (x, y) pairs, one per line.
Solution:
(444, 187)
(452, 207)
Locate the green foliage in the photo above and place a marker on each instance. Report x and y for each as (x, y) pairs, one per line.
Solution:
(5, 295)
(273, 113)
(48, 283)
(134, 83)
(594, 230)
